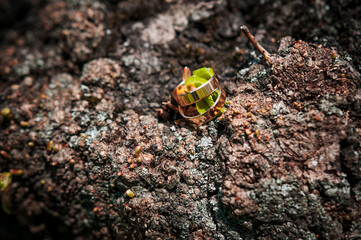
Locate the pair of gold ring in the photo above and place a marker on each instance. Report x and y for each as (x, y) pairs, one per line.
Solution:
(187, 101)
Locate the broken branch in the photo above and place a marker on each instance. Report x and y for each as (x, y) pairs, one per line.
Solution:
(255, 42)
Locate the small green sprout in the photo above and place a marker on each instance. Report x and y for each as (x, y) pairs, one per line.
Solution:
(129, 193)
(49, 147)
(137, 150)
(6, 113)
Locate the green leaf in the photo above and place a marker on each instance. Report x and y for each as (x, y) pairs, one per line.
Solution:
(206, 73)
(197, 81)
(209, 100)
(204, 104)
(5, 180)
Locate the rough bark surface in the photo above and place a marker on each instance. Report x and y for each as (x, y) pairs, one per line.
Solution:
(86, 82)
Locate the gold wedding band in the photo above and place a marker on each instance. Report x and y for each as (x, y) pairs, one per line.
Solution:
(197, 94)
(187, 102)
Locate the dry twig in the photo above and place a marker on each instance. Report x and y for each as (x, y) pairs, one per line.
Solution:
(255, 42)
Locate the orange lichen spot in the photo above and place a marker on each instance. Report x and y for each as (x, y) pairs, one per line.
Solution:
(317, 118)
(248, 131)
(16, 172)
(56, 147)
(24, 124)
(4, 154)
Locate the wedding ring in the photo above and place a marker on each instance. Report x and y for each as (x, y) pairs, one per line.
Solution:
(187, 102)
(197, 94)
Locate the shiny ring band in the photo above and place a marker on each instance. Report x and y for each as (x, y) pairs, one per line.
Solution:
(210, 114)
(197, 94)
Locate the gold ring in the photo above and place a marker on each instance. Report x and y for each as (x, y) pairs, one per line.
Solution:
(197, 94)
(187, 102)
